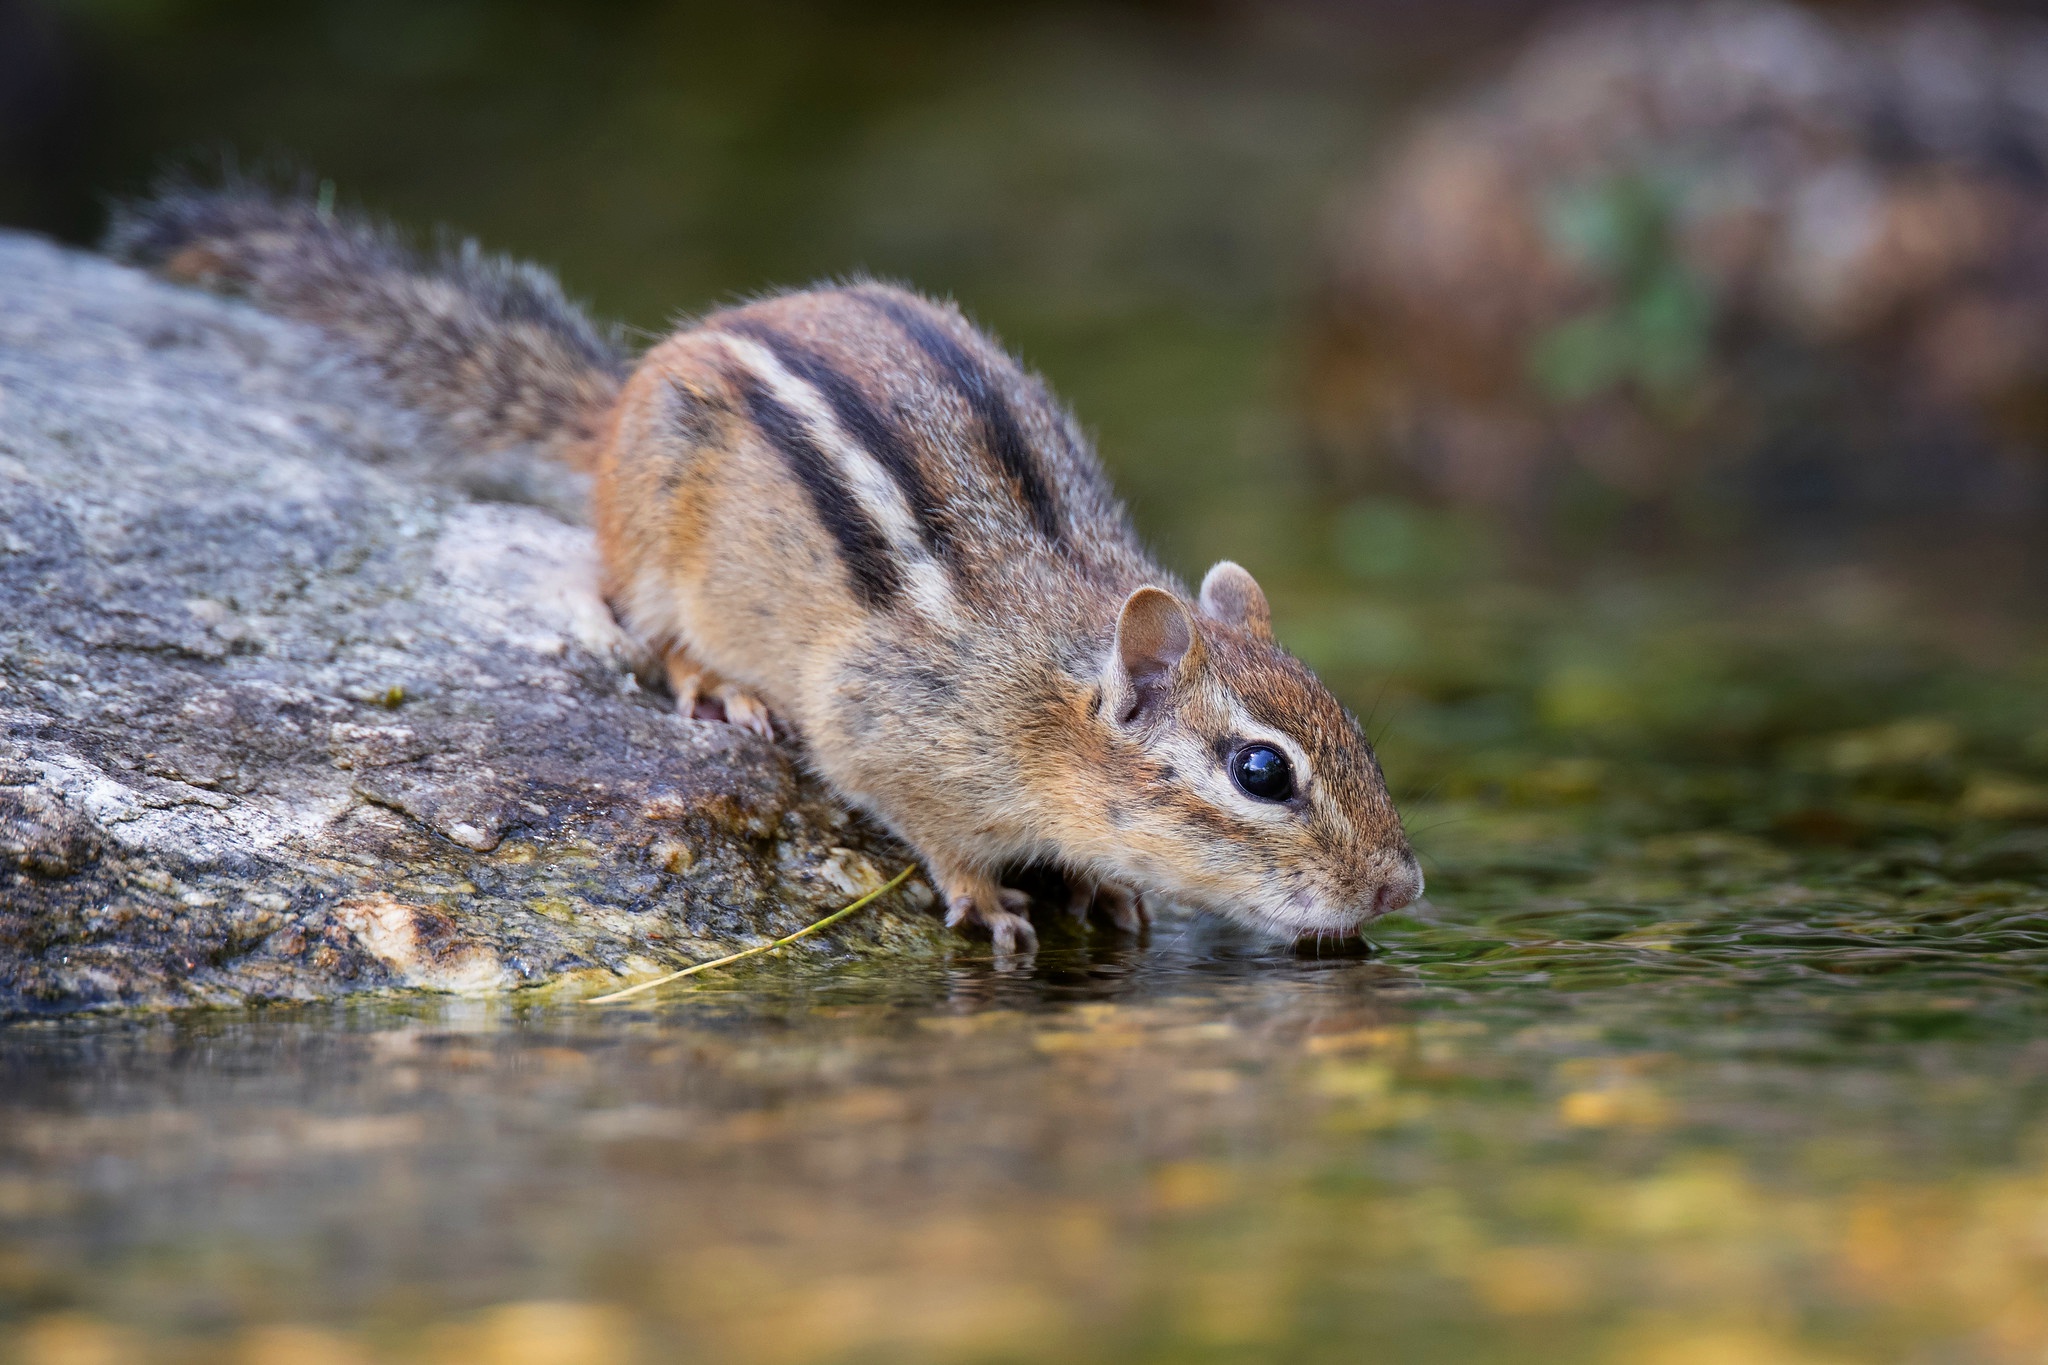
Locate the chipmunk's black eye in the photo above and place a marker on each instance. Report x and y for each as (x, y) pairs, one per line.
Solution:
(1261, 770)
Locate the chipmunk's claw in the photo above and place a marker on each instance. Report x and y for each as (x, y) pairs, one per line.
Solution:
(1122, 907)
(1014, 936)
(1126, 909)
(701, 695)
(1000, 910)
(744, 709)
(687, 684)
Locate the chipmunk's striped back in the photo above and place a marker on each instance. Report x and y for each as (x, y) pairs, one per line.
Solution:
(931, 457)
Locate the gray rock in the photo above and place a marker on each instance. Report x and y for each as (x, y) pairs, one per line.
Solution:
(285, 713)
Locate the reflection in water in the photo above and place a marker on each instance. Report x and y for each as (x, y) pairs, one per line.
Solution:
(1786, 1128)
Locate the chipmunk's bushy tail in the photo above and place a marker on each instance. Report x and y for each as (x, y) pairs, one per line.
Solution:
(490, 347)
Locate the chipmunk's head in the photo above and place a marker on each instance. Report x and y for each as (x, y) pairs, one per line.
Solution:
(1250, 790)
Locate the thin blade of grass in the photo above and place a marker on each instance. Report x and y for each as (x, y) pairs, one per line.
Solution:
(832, 918)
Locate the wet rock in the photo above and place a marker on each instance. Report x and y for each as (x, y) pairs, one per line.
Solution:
(41, 833)
(1700, 270)
(286, 714)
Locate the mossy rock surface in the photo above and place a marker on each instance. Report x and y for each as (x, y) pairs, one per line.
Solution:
(289, 711)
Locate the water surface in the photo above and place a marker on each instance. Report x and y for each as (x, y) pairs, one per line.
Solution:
(1682, 1106)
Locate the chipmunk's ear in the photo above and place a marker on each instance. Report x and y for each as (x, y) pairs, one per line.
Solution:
(1230, 595)
(1155, 645)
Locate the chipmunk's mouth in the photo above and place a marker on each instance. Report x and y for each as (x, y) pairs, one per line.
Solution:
(1304, 915)
(1300, 913)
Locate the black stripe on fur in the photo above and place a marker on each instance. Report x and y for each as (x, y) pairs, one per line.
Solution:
(865, 554)
(1000, 431)
(866, 424)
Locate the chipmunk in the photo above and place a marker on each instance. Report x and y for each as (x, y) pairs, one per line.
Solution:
(847, 509)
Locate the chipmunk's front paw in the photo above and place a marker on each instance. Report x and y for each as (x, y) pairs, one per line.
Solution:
(1120, 905)
(997, 909)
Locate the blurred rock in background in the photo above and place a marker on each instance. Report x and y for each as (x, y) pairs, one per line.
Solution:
(1686, 273)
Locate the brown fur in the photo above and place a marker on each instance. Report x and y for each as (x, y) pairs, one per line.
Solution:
(850, 509)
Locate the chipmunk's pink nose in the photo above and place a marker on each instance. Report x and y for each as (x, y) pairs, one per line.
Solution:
(1399, 890)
